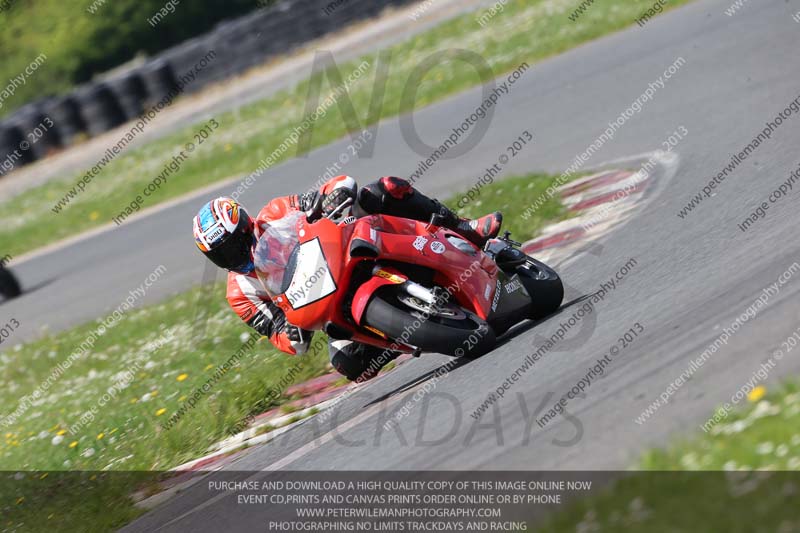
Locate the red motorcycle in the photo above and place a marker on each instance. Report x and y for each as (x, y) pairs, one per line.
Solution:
(393, 282)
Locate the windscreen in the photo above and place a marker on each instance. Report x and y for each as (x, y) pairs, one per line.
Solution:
(273, 254)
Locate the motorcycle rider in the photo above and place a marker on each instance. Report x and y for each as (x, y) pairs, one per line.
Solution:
(227, 235)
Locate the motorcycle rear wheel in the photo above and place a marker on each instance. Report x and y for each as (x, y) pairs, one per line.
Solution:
(451, 331)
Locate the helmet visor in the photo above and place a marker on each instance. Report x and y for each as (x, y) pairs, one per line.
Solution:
(234, 253)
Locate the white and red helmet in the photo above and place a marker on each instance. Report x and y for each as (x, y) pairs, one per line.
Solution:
(224, 233)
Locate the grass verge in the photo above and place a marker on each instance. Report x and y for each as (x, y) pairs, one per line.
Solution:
(512, 196)
(523, 31)
(137, 375)
(741, 475)
(170, 359)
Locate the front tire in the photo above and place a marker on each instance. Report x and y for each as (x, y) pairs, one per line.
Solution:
(450, 331)
(544, 285)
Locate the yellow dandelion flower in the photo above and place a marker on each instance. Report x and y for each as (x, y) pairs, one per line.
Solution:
(757, 393)
(154, 393)
(182, 398)
(113, 431)
(208, 366)
(182, 377)
(20, 500)
(100, 436)
(161, 411)
(73, 444)
(61, 432)
(43, 476)
(134, 400)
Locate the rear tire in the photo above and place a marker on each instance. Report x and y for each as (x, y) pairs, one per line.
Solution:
(544, 286)
(9, 287)
(455, 332)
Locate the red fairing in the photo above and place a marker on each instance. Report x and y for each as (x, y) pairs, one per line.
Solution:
(332, 240)
(245, 294)
(468, 276)
(324, 266)
(365, 292)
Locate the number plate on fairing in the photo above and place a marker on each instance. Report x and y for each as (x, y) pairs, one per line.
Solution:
(312, 280)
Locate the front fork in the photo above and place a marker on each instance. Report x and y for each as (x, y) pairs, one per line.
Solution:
(412, 288)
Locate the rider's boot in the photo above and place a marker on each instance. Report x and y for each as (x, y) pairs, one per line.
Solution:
(396, 196)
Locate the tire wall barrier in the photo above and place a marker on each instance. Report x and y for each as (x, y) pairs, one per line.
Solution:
(66, 113)
(11, 156)
(231, 48)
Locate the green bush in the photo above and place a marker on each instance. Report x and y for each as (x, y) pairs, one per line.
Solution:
(79, 44)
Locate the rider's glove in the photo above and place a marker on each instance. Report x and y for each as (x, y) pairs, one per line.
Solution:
(311, 205)
(296, 334)
(285, 336)
(335, 199)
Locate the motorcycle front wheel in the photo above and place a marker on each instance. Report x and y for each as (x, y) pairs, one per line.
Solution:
(447, 329)
(544, 285)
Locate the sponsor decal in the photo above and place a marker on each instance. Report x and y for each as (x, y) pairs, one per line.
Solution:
(420, 242)
(376, 331)
(215, 234)
(394, 278)
(496, 299)
(513, 285)
(373, 234)
(437, 247)
(487, 292)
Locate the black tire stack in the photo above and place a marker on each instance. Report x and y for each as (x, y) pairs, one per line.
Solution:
(160, 82)
(201, 51)
(41, 137)
(66, 114)
(131, 93)
(100, 108)
(11, 155)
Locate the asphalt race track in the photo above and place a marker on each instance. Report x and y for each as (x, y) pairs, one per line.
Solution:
(693, 276)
